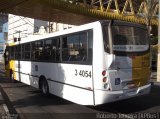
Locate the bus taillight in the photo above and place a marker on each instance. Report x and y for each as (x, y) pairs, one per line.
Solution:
(104, 79)
(106, 86)
(103, 73)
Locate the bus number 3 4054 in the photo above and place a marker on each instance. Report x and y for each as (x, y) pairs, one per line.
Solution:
(83, 73)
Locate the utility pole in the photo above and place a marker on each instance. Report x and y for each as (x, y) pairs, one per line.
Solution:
(158, 59)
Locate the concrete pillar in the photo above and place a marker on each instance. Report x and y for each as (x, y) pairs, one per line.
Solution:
(158, 60)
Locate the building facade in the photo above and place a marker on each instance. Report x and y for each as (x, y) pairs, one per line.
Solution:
(3, 33)
(19, 26)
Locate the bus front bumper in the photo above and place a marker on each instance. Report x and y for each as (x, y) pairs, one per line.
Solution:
(103, 96)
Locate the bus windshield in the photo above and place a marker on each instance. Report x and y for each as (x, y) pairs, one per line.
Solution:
(129, 38)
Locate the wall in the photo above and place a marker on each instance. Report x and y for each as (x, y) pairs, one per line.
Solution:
(3, 33)
(19, 23)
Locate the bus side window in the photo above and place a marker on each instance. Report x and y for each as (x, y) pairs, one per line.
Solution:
(22, 55)
(38, 50)
(83, 46)
(65, 54)
(26, 51)
(70, 48)
(57, 44)
(16, 52)
(90, 46)
(120, 40)
(105, 39)
(11, 52)
(53, 49)
(33, 51)
(74, 47)
(48, 49)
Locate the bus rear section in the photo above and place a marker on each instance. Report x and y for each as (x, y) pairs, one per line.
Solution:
(125, 68)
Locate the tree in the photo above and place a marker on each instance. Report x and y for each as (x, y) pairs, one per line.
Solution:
(158, 64)
(154, 40)
(150, 7)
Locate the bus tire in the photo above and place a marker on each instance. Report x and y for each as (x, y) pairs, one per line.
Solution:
(44, 86)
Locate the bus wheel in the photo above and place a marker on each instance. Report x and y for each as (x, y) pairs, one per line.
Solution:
(44, 87)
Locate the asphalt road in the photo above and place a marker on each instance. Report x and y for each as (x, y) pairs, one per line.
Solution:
(29, 103)
(2, 70)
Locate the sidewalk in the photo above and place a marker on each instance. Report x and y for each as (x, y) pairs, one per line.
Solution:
(5, 112)
(3, 106)
(2, 70)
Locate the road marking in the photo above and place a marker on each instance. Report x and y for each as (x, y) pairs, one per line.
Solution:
(5, 108)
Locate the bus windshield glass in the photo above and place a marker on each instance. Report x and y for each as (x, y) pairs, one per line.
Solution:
(129, 39)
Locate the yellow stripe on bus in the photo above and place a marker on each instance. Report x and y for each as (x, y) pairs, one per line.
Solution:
(12, 67)
(141, 69)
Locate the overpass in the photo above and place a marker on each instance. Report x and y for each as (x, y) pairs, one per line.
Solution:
(78, 12)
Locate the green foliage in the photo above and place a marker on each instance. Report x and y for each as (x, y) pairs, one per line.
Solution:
(154, 52)
(151, 4)
(154, 47)
(154, 40)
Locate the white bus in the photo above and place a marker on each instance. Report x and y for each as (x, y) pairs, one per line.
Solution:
(91, 64)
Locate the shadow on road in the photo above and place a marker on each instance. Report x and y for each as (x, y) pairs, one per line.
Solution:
(22, 96)
(40, 100)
